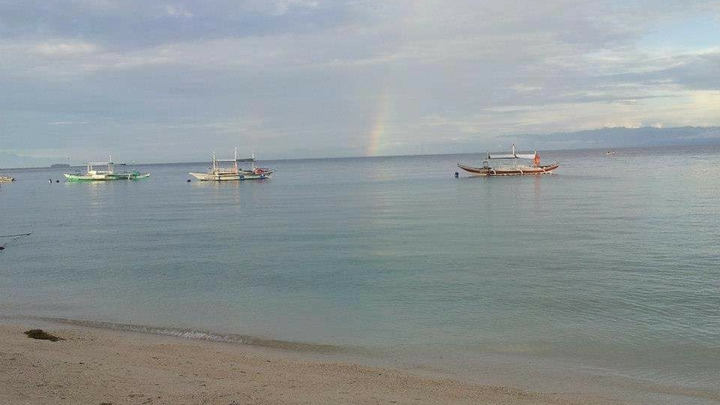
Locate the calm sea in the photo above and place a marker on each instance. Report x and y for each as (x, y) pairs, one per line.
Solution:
(610, 268)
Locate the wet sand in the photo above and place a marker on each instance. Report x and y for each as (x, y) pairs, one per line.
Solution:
(94, 366)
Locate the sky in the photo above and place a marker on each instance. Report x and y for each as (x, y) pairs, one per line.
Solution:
(156, 81)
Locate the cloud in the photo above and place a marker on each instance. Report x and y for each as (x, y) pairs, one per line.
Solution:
(177, 11)
(65, 49)
(280, 7)
(321, 75)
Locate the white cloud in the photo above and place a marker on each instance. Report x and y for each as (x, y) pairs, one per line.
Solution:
(68, 122)
(177, 11)
(63, 49)
(278, 7)
(311, 73)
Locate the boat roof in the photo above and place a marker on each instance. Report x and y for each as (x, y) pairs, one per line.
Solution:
(105, 163)
(511, 155)
(236, 160)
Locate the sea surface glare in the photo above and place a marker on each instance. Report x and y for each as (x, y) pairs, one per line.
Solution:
(609, 268)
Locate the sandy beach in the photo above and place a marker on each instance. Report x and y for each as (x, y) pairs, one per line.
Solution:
(93, 366)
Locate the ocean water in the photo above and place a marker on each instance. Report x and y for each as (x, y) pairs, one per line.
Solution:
(609, 268)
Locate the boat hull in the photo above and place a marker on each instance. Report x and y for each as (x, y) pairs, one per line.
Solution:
(105, 177)
(6, 179)
(510, 170)
(231, 176)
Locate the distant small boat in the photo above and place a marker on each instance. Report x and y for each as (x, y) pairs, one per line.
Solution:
(6, 179)
(105, 175)
(514, 169)
(610, 152)
(233, 173)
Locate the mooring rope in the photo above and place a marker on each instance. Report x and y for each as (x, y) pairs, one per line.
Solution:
(13, 238)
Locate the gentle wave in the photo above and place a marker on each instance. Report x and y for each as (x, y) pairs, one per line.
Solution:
(195, 334)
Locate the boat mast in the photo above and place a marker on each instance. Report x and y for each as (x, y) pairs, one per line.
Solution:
(214, 169)
(235, 165)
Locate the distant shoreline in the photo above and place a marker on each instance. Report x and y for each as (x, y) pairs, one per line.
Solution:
(477, 152)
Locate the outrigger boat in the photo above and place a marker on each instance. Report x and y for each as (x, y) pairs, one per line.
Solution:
(514, 169)
(105, 175)
(218, 173)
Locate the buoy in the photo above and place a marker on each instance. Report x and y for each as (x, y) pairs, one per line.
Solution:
(457, 175)
(50, 180)
(57, 181)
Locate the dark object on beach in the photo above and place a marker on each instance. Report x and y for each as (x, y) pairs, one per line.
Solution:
(41, 334)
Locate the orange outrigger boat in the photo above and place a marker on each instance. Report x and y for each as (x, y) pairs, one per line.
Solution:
(514, 169)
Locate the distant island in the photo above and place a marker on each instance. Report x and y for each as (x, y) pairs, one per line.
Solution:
(59, 165)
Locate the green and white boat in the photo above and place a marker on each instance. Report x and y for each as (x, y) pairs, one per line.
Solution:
(105, 175)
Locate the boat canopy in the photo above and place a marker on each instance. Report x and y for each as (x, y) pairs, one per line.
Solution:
(512, 156)
(501, 156)
(235, 159)
(105, 163)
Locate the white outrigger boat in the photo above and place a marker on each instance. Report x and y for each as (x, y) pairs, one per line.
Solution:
(514, 169)
(218, 173)
(105, 175)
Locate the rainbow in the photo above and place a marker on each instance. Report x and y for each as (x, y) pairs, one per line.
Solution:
(379, 125)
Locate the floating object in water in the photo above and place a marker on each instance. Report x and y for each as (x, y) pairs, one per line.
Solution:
(105, 175)
(188, 180)
(217, 173)
(457, 175)
(511, 170)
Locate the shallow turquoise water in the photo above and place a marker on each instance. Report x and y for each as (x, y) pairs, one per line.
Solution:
(613, 263)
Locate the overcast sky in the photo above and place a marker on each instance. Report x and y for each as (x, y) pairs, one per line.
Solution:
(154, 81)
